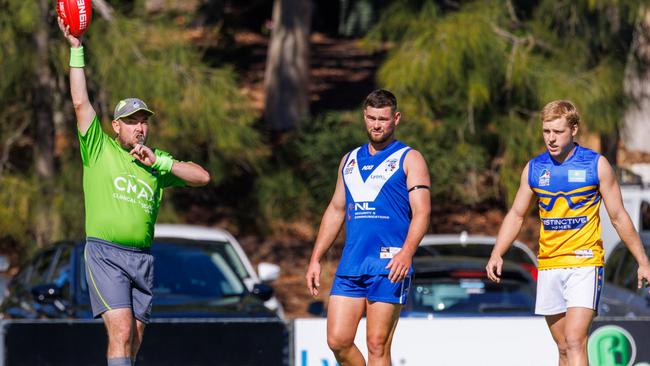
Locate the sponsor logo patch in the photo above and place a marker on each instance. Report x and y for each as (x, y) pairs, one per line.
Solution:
(364, 210)
(584, 253)
(388, 252)
(131, 189)
(391, 165)
(566, 223)
(577, 176)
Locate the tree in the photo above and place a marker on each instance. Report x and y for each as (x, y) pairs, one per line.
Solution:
(474, 75)
(637, 86)
(42, 93)
(201, 115)
(286, 79)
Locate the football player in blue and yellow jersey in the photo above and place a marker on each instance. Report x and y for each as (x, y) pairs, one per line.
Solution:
(569, 182)
(382, 195)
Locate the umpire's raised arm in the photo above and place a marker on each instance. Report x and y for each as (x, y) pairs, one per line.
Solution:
(83, 109)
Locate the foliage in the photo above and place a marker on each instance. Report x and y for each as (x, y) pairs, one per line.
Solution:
(200, 113)
(15, 211)
(298, 183)
(476, 74)
(470, 77)
(321, 145)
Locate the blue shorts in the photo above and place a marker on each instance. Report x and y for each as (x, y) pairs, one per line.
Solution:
(372, 287)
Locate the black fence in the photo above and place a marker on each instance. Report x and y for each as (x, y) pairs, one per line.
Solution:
(231, 342)
(238, 342)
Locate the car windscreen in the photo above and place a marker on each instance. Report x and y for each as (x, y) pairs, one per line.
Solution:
(224, 247)
(448, 293)
(187, 270)
(513, 254)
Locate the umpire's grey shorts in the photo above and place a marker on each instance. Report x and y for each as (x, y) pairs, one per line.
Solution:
(118, 277)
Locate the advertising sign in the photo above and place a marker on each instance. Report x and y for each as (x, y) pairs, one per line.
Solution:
(443, 342)
(619, 343)
(482, 341)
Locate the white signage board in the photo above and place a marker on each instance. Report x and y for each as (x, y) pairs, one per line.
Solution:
(498, 341)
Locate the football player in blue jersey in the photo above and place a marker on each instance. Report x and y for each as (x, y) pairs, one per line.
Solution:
(382, 195)
(568, 182)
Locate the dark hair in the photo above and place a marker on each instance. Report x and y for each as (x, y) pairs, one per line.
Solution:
(381, 98)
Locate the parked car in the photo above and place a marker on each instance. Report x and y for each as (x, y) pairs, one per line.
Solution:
(266, 272)
(636, 199)
(194, 278)
(620, 296)
(450, 279)
(476, 246)
(458, 286)
(4, 276)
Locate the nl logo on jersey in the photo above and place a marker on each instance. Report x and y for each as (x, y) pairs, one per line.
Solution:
(348, 168)
(359, 209)
(545, 178)
(577, 176)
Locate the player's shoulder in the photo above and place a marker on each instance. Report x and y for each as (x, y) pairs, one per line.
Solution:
(414, 154)
(543, 157)
(587, 153)
(351, 152)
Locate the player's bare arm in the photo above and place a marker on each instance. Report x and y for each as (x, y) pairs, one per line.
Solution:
(611, 193)
(327, 233)
(418, 183)
(83, 109)
(510, 227)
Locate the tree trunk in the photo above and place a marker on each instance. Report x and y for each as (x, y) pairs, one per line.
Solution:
(609, 146)
(637, 87)
(45, 215)
(286, 79)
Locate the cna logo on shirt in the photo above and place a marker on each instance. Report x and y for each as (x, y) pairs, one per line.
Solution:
(131, 189)
(545, 178)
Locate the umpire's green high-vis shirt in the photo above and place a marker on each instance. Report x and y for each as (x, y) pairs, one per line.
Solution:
(121, 195)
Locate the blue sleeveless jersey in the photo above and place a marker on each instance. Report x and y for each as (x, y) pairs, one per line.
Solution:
(569, 205)
(378, 213)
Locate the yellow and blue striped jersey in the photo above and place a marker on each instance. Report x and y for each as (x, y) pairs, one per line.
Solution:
(569, 205)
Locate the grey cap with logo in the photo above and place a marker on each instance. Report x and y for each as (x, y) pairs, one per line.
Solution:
(128, 106)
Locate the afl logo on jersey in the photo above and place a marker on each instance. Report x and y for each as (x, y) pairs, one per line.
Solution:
(350, 167)
(545, 178)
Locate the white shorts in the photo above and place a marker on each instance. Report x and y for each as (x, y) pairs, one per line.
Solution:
(562, 288)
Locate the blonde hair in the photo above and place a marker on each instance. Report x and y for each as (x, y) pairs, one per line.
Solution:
(561, 108)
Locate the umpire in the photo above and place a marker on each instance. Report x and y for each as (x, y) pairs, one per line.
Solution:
(123, 182)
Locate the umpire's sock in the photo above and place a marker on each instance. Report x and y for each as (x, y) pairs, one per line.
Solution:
(119, 361)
